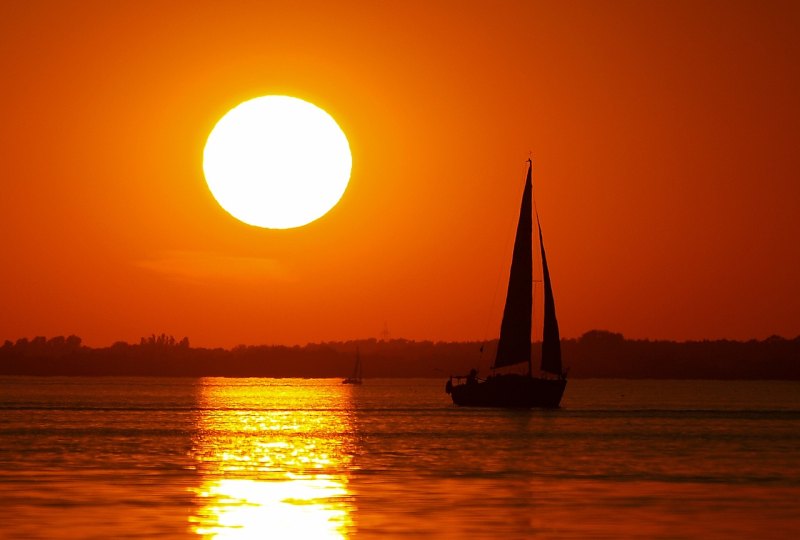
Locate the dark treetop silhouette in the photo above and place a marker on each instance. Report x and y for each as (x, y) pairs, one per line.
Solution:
(596, 354)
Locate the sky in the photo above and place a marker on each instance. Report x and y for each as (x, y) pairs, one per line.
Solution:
(665, 165)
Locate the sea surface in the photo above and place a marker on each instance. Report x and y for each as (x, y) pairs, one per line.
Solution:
(291, 458)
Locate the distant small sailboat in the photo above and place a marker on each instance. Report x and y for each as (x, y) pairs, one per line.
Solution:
(356, 377)
(514, 346)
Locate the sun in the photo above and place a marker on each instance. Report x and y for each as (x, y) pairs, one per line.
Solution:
(277, 162)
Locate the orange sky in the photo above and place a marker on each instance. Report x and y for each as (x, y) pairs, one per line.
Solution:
(664, 137)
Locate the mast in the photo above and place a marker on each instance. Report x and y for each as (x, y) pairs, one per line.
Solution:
(514, 346)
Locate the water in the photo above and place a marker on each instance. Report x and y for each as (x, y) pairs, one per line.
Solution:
(267, 458)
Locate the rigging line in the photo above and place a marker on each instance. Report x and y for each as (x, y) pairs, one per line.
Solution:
(533, 262)
(538, 256)
(533, 191)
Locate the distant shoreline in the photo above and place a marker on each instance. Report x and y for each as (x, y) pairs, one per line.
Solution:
(597, 354)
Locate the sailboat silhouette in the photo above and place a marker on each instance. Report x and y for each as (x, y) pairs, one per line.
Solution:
(355, 378)
(514, 346)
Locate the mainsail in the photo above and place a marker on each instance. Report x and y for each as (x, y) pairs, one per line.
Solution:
(514, 346)
(551, 341)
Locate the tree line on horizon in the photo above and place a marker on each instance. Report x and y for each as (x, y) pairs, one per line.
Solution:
(595, 354)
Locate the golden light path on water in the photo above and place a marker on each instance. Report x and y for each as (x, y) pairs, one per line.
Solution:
(273, 460)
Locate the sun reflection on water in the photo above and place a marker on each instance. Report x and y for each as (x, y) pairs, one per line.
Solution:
(273, 457)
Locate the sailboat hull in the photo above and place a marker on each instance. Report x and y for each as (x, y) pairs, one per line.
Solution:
(512, 391)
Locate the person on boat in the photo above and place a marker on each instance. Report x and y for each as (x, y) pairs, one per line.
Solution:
(472, 378)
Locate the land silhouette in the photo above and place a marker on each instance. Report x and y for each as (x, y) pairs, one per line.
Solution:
(596, 354)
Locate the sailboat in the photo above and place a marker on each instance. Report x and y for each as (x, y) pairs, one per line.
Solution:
(527, 390)
(356, 377)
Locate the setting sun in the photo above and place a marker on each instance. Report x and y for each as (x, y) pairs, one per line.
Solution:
(277, 162)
